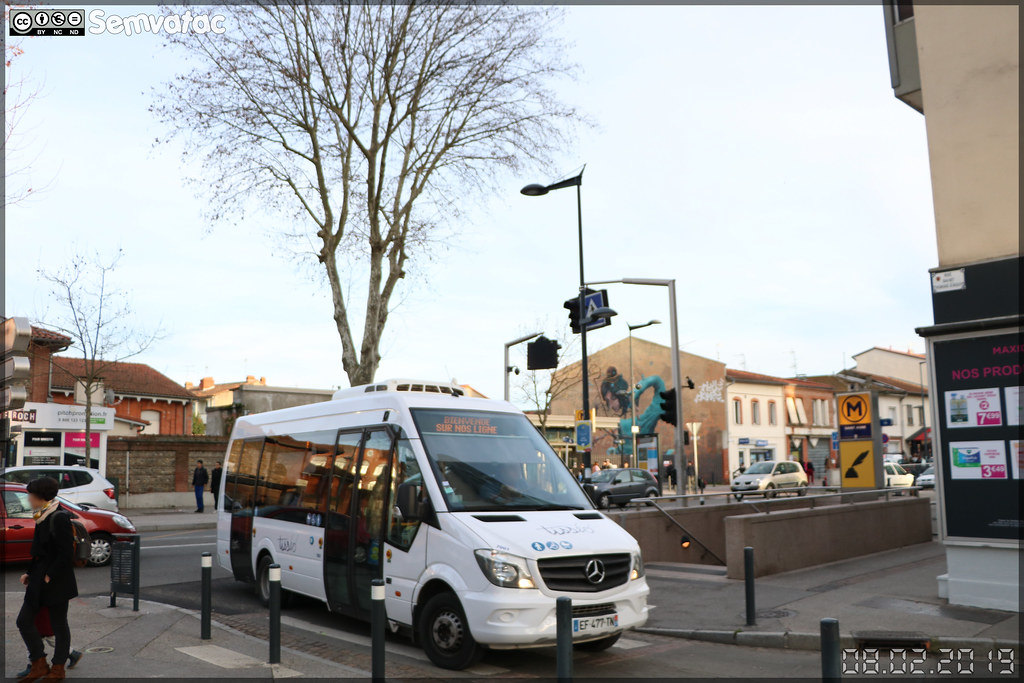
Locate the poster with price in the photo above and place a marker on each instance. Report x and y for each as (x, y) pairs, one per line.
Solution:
(973, 408)
(978, 460)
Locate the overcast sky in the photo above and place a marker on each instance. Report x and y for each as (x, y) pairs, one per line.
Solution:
(756, 155)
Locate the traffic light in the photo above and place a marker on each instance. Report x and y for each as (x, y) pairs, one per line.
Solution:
(542, 354)
(573, 305)
(16, 368)
(668, 406)
(686, 437)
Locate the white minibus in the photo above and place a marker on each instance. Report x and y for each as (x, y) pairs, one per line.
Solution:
(458, 504)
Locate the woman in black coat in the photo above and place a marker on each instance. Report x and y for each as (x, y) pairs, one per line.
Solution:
(50, 581)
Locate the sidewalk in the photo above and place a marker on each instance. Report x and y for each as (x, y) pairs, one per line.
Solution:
(161, 640)
(890, 591)
(170, 519)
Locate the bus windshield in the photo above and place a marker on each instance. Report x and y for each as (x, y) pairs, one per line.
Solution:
(487, 461)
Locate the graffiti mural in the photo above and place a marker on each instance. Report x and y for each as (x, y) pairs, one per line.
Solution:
(615, 392)
(647, 420)
(710, 391)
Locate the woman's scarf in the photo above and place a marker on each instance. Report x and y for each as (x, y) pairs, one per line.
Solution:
(40, 515)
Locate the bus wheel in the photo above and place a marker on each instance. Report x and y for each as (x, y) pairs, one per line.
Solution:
(263, 584)
(598, 645)
(444, 634)
(263, 579)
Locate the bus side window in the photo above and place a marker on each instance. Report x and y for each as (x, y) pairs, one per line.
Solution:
(241, 484)
(230, 466)
(400, 532)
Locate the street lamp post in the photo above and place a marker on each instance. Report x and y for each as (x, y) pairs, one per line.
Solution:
(634, 460)
(536, 190)
(677, 380)
(508, 345)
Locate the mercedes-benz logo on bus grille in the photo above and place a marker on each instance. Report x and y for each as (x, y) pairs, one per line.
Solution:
(594, 571)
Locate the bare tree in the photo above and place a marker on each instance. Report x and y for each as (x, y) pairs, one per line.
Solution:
(367, 125)
(98, 318)
(19, 94)
(540, 389)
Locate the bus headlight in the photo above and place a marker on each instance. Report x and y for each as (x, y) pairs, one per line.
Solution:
(638, 567)
(502, 569)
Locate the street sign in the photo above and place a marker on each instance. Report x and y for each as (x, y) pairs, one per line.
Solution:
(580, 416)
(885, 438)
(593, 301)
(855, 416)
(583, 434)
(744, 440)
(835, 441)
(855, 409)
(885, 422)
(857, 464)
(760, 443)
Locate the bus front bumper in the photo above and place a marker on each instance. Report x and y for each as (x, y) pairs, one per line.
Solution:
(505, 618)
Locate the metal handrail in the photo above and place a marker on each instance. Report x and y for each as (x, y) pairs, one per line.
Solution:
(687, 532)
(685, 498)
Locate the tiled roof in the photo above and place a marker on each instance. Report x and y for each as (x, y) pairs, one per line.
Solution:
(899, 384)
(810, 384)
(215, 389)
(744, 376)
(41, 335)
(124, 378)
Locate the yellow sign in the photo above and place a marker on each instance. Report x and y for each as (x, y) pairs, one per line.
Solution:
(579, 416)
(855, 409)
(857, 464)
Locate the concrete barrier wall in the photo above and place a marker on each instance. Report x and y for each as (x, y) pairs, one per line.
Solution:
(659, 538)
(793, 539)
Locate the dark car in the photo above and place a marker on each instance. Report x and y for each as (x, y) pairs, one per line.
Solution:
(621, 485)
(19, 526)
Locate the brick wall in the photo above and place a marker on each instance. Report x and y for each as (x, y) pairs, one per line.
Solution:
(161, 464)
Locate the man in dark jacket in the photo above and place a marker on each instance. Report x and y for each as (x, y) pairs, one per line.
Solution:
(199, 480)
(215, 484)
(50, 581)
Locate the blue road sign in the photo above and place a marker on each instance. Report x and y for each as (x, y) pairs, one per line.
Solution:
(885, 422)
(594, 300)
(835, 441)
(583, 435)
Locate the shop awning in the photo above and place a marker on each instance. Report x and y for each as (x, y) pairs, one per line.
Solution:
(921, 434)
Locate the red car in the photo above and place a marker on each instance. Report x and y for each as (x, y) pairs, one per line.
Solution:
(18, 526)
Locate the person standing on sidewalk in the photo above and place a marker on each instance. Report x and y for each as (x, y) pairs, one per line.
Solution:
(690, 483)
(215, 484)
(50, 581)
(200, 478)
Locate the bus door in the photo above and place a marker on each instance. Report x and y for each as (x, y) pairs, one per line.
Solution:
(356, 518)
(240, 495)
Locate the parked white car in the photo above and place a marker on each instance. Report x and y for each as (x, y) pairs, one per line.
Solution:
(769, 478)
(896, 476)
(926, 479)
(80, 485)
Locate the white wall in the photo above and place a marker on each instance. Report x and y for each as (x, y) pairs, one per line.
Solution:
(774, 435)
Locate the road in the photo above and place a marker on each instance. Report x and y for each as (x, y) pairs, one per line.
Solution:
(170, 574)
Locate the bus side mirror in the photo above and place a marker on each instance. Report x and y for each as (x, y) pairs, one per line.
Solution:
(409, 503)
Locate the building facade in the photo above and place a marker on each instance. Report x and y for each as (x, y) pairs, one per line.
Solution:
(959, 65)
(756, 419)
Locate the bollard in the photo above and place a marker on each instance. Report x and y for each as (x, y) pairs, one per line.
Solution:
(275, 613)
(377, 619)
(748, 579)
(207, 572)
(830, 660)
(563, 624)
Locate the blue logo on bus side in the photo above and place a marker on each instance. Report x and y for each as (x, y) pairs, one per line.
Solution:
(552, 545)
(537, 545)
(567, 545)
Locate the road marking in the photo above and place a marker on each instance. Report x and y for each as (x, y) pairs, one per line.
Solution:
(229, 659)
(180, 545)
(394, 648)
(177, 533)
(629, 644)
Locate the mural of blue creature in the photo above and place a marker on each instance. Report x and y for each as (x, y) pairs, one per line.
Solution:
(648, 419)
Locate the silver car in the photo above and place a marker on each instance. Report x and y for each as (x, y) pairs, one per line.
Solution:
(80, 485)
(768, 478)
